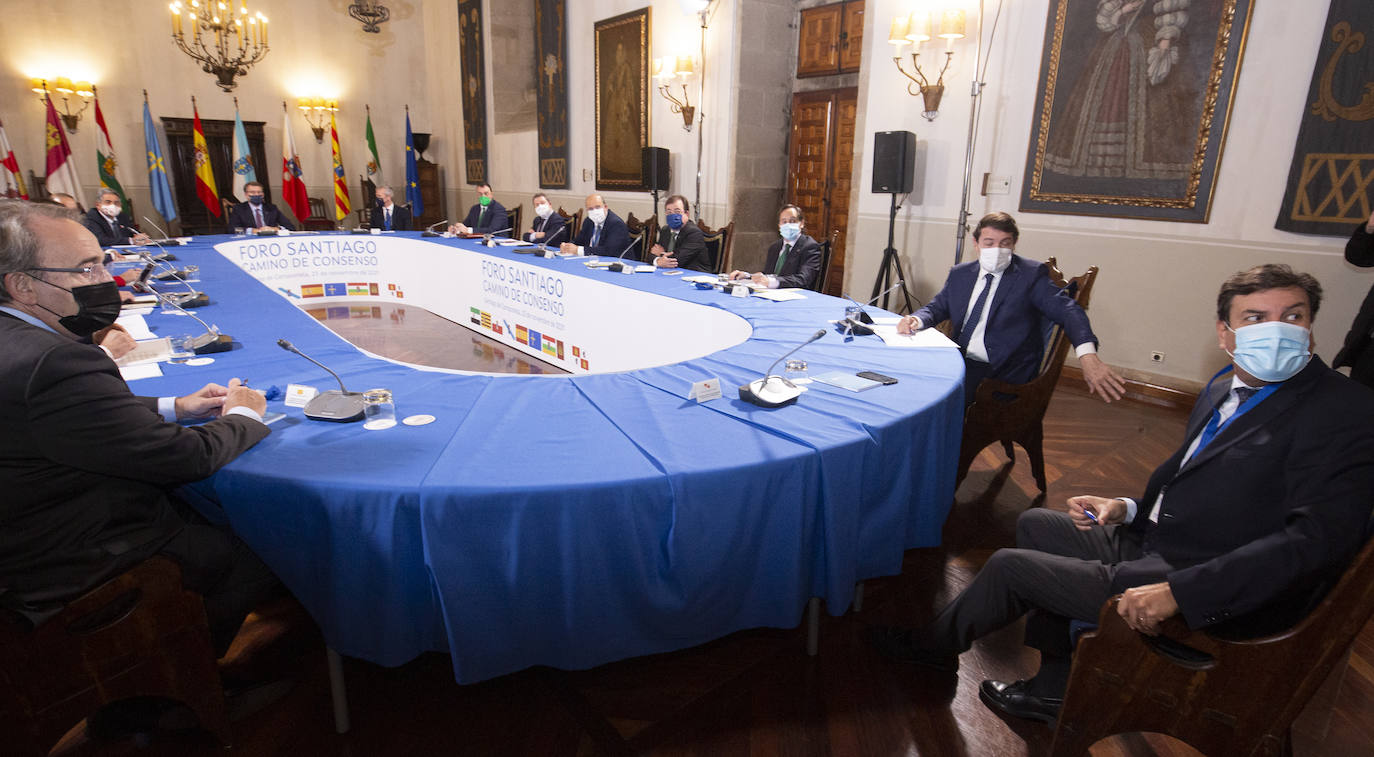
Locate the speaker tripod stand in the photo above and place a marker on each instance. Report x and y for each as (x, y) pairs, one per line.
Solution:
(890, 274)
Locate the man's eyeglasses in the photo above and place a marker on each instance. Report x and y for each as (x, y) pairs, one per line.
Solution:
(89, 271)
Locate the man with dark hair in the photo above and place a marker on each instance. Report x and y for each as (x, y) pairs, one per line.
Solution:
(109, 223)
(548, 223)
(257, 214)
(386, 214)
(996, 306)
(680, 242)
(1356, 353)
(486, 217)
(794, 260)
(1248, 523)
(86, 466)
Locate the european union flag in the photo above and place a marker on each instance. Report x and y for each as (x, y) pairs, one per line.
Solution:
(157, 170)
(417, 204)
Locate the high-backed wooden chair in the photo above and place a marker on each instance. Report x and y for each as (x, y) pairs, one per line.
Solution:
(1015, 412)
(574, 223)
(718, 243)
(38, 188)
(827, 249)
(138, 634)
(516, 224)
(320, 219)
(643, 234)
(1222, 697)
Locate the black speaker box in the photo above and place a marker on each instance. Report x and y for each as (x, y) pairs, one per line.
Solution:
(654, 166)
(894, 162)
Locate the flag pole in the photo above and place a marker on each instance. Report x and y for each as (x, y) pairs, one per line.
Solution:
(145, 97)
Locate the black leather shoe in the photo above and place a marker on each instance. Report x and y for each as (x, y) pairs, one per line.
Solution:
(896, 643)
(1015, 699)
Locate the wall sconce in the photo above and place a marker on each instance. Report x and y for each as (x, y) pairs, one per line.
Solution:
(371, 13)
(316, 111)
(664, 70)
(225, 43)
(64, 88)
(916, 30)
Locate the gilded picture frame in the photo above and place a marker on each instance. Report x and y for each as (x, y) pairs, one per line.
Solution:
(622, 99)
(1133, 104)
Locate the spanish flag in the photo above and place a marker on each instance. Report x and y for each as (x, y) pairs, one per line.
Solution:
(341, 204)
(205, 175)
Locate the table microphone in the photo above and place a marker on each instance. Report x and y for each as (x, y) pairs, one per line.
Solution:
(337, 405)
(620, 265)
(165, 237)
(486, 238)
(429, 230)
(862, 323)
(193, 298)
(544, 243)
(766, 393)
(208, 343)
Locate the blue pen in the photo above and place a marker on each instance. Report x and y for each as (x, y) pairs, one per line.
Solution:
(1091, 516)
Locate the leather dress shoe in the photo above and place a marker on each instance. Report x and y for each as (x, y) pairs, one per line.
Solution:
(898, 644)
(1016, 700)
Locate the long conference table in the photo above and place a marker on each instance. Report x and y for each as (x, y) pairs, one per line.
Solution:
(562, 520)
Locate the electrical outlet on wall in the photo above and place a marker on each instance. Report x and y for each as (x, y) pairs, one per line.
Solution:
(586, 174)
(1156, 357)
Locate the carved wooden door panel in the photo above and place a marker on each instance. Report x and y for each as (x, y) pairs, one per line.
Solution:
(820, 167)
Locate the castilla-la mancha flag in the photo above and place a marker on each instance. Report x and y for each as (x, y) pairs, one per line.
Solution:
(205, 175)
(292, 186)
(60, 166)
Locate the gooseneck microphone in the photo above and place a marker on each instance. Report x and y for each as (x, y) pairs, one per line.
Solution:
(336, 405)
(544, 243)
(429, 230)
(765, 392)
(861, 323)
(620, 263)
(207, 343)
(166, 238)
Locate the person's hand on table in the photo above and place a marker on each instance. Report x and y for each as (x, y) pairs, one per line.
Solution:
(664, 259)
(759, 279)
(1102, 380)
(567, 248)
(909, 324)
(459, 228)
(737, 275)
(126, 296)
(535, 235)
(240, 395)
(116, 340)
(1106, 512)
(140, 238)
(205, 403)
(1145, 607)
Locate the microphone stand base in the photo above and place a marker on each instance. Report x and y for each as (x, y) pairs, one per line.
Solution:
(781, 394)
(221, 343)
(335, 406)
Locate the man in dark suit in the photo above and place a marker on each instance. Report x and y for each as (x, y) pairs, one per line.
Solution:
(680, 243)
(603, 233)
(110, 224)
(486, 217)
(257, 213)
(1248, 523)
(995, 307)
(794, 260)
(1356, 353)
(86, 466)
(387, 215)
(548, 223)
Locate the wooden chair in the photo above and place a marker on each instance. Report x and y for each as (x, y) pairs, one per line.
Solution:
(226, 205)
(643, 233)
(573, 221)
(38, 188)
(319, 218)
(138, 634)
(827, 249)
(1015, 412)
(718, 243)
(1222, 697)
(513, 216)
(368, 198)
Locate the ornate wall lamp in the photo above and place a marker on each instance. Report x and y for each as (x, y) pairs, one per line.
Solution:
(316, 111)
(224, 42)
(71, 95)
(682, 67)
(915, 30)
(371, 13)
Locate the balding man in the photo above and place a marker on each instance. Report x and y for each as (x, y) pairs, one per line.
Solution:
(109, 223)
(603, 233)
(65, 200)
(387, 215)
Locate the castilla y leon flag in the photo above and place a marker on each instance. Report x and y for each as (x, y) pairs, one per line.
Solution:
(341, 205)
(105, 157)
(292, 186)
(60, 166)
(11, 183)
(205, 175)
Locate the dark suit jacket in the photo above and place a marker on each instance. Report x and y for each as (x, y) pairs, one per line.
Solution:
(85, 466)
(550, 226)
(615, 237)
(241, 217)
(802, 266)
(400, 217)
(1015, 334)
(496, 219)
(100, 227)
(1359, 251)
(1269, 511)
(691, 250)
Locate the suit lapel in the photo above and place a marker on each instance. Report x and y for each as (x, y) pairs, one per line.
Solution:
(1257, 418)
(1005, 285)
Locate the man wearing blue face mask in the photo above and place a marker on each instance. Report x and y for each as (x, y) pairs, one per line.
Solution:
(794, 260)
(680, 242)
(995, 304)
(1247, 524)
(257, 213)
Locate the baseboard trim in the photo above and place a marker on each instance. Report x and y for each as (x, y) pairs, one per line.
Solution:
(1145, 391)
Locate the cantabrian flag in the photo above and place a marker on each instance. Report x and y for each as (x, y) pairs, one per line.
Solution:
(105, 157)
(374, 163)
(292, 186)
(11, 182)
(205, 175)
(341, 204)
(60, 166)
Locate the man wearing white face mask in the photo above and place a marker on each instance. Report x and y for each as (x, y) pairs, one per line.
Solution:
(1248, 524)
(110, 224)
(603, 233)
(994, 306)
(548, 225)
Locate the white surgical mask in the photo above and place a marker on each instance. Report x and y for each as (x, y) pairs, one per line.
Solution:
(994, 259)
(1272, 350)
(598, 215)
(110, 210)
(789, 231)
(543, 210)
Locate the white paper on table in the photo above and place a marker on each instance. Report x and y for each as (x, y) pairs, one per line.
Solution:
(700, 279)
(645, 268)
(135, 325)
(140, 371)
(922, 338)
(150, 351)
(780, 295)
(886, 320)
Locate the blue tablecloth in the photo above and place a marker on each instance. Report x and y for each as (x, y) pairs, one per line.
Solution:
(571, 521)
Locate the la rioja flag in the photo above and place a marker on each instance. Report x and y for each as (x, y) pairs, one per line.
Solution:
(292, 187)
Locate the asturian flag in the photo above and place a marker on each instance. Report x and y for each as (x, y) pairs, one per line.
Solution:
(341, 205)
(243, 158)
(163, 199)
(292, 186)
(61, 167)
(205, 174)
(374, 163)
(417, 203)
(11, 183)
(105, 157)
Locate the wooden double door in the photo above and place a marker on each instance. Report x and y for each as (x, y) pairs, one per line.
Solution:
(820, 168)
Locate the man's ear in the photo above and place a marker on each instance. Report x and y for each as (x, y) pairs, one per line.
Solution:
(19, 285)
(1221, 334)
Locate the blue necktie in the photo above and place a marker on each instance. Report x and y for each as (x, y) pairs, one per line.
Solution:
(976, 315)
(596, 236)
(387, 214)
(1243, 393)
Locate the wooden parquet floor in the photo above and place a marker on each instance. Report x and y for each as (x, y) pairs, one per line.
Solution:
(756, 693)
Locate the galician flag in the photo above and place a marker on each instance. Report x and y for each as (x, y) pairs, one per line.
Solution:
(341, 205)
(292, 187)
(205, 174)
(60, 166)
(11, 183)
(163, 199)
(374, 163)
(417, 203)
(243, 157)
(105, 157)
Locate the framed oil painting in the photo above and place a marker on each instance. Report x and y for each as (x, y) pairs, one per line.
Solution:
(1132, 107)
(622, 99)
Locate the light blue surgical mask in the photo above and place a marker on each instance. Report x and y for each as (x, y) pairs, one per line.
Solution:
(1273, 350)
(789, 231)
